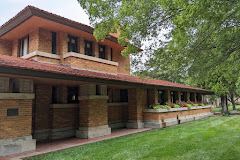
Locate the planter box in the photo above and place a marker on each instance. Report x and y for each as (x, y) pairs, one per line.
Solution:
(174, 109)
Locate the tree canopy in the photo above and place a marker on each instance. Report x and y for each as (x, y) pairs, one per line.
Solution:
(202, 40)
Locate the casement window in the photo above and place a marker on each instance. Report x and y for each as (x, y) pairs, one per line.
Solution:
(123, 95)
(24, 46)
(72, 43)
(72, 95)
(102, 52)
(88, 48)
(54, 43)
(161, 97)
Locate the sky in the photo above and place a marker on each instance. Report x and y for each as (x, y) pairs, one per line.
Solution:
(66, 8)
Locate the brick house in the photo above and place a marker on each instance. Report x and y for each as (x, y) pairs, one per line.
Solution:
(56, 82)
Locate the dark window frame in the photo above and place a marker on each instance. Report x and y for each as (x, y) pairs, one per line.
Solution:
(123, 95)
(102, 54)
(161, 97)
(111, 54)
(54, 95)
(72, 91)
(54, 43)
(72, 47)
(88, 51)
(12, 112)
(21, 45)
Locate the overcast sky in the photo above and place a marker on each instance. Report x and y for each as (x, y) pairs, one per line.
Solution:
(66, 8)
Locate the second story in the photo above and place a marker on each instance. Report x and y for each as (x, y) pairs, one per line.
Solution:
(41, 36)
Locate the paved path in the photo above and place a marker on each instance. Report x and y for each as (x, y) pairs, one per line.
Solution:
(51, 146)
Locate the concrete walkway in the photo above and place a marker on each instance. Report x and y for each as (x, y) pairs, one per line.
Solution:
(51, 146)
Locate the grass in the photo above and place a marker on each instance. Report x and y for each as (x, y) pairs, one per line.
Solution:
(230, 108)
(206, 139)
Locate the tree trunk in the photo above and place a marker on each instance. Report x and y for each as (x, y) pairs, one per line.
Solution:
(233, 102)
(224, 103)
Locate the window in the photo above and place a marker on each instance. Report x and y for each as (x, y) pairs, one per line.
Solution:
(54, 43)
(54, 95)
(161, 97)
(12, 112)
(111, 54)
(24, 46)
(88, 48)
(183, 96)
(72, 95)
(98, 90)
(123, 95)
(72, 43)
(102, 51)
(173, 97)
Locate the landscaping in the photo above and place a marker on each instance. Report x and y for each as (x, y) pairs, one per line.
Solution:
(211, 138)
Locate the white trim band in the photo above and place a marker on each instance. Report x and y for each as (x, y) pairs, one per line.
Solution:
(42, 54)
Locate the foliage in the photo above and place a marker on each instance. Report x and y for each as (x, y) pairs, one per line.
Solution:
(176, 106)
(195, 105)
(162, 107)
(189, 106)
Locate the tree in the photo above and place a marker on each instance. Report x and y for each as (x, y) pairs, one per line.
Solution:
(204, 34)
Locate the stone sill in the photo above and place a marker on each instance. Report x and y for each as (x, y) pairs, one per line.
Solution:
(173, 109)
(42, 54)
(55, 106)
(17, 95)
(95, 59)
(118, 104)
(96, 97)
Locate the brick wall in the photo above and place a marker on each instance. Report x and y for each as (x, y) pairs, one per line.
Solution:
(45, 59)
(152, 96)
(117, 112)
(34, 41)
(15, 48)
(15, 126)
(137, 101)
(41, 107)
(82, 63)
(93, 113)
(123, 62)
(5, 47)
(64, 117)
(45, 40)
(167, 115)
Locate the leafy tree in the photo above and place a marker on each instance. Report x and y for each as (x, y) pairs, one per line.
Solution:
(204, 34)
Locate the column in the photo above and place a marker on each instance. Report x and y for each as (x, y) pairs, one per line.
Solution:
(137, 102)
(152, 96)
(167, 96)
(93, 112)
(95, 49)
(81, 45)
(62, 45)
(188, 96)
(195, 97)
(179, 96)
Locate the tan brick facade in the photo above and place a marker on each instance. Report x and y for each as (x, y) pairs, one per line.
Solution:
(117, 112)
(15, 126)
(137, 101)
(93, 113)
(5, 47)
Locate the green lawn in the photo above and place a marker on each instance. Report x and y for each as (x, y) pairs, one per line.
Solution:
(205, 139)
(230, 108)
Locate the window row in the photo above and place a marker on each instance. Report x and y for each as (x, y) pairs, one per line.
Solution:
(72, 46)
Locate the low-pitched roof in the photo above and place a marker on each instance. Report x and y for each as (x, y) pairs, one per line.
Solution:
(19, 66)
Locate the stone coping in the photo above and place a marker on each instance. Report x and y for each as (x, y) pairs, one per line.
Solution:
(98, 97)
(118, 104)
(91, 58)
(17, 95)
(55, 106)
(173, 109)
(42, 54)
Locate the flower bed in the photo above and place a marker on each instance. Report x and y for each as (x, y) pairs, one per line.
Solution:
(175, 109)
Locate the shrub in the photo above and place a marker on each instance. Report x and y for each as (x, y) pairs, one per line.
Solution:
(176, 106)
(189, 106)
(195, 105)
